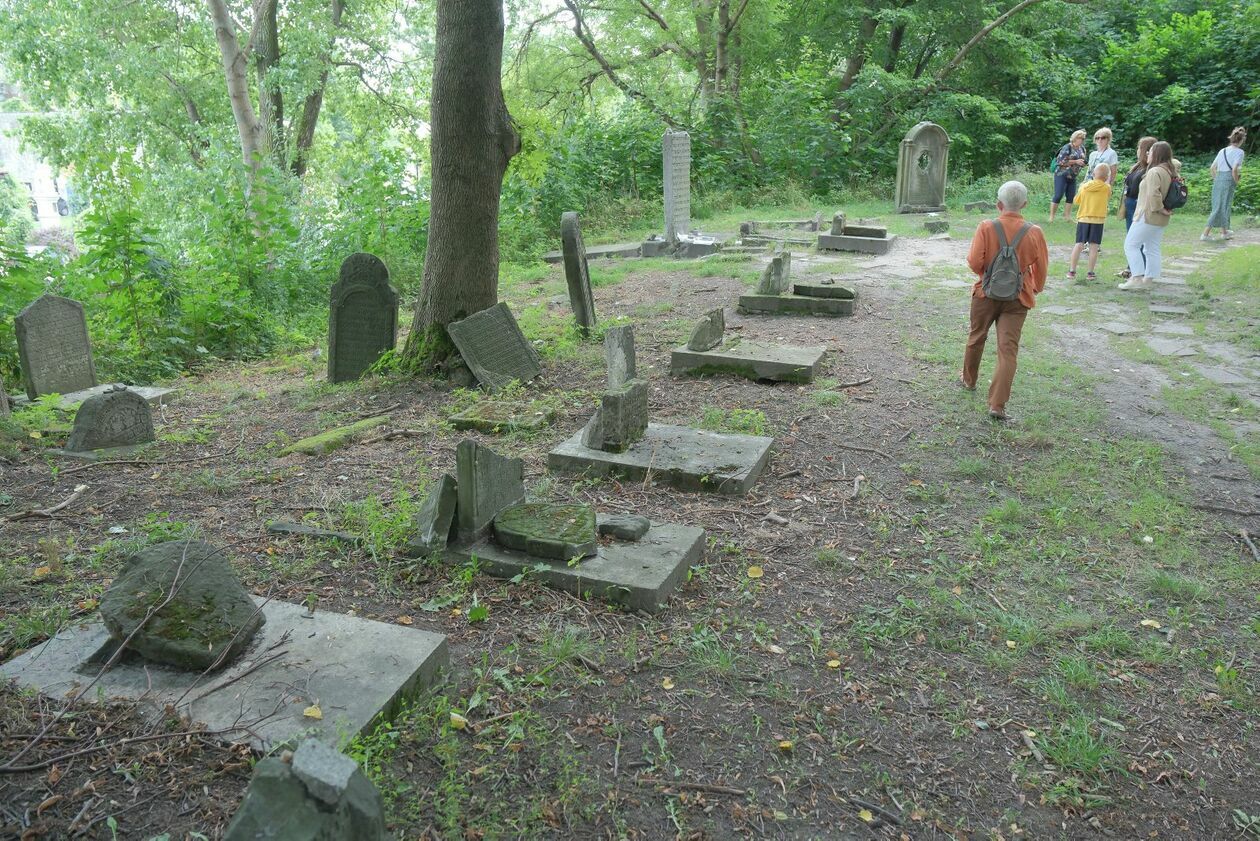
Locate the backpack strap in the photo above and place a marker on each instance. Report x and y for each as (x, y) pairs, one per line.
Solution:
(1001, 233)
(1019, 236)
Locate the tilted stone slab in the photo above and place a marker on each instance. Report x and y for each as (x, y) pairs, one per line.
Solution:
(362, 317)
(117, 417)
(619, 355)
(493, 416)
(434, 520)
(576, 272)
(752, 360)
(869, 231)
(848, 242)
(639, 575)
(558, 532)
(486, 484)
(776, 278)
(621, 418)
(824, 290)
(53, 347)
(794, 305)
(494, 347)
(708, 331)
(690, 459)
(355, 668)
(594, 252)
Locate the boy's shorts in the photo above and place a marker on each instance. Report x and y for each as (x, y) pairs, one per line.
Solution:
(1089, 232)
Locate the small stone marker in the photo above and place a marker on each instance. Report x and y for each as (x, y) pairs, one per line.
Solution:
(209, 620)
(53, 347)
(304, 530)
(117, 418)
(676, 171)
(837, 225)
(936, 226)
(494, 347)
(777, 276)
(619, 355)
(434, 519)
(321, 794)
(558, 532)
(707, 334)
(620, 420)
(577, 273)
(493, 416)
(627, 527)
(362, 317)
(486, 484)
(973, 206)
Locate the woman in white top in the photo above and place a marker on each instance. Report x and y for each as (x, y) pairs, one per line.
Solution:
(1226, 170)
(1103, 154)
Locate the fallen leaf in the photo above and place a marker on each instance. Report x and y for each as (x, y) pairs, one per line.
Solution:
(667, 683)
(866, 815)
(833, 664)
(41, 572)
(1150, 623)
(405, 620)
(785, 745)
(755, 571)
(88, 604)
(1010, 643)
(775, 649)
(36, 434)
(458, 722)
(313, 711)
(957, 591)
(54, 775)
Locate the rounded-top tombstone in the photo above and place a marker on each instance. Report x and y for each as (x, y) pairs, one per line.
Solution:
(53, 347)
(362, 317)
(921, 169)
(118, 417)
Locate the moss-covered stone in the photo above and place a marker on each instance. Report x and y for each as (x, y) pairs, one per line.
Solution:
(333, 439)
(209, 620)
(559, 532)
(493, 416)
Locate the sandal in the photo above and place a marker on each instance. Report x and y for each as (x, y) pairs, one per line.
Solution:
(1091, 276)
(1071, 275)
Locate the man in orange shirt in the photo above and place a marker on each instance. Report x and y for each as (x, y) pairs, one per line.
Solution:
(1034, 259)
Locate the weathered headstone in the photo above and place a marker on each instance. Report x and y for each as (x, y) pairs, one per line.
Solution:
(973, 206)
(486, 484)
(676, 171)
(53, 347)
(837, 225)
(707, 333)
(936, 226)
(494, 347)
(362, 317)
(619, 355)
(180, 603)
(620, 420)
(117, 418)
(776, 278)
(558, 532)
(434, 519)
(921, 169)
(319, 794)
(577, 273)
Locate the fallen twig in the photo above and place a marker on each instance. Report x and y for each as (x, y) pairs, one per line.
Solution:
(862, 449)
(855, 383)
(393, 433)
(145, 463)
(1255, 553)
(1223, 509)
(130, 740)
(874, 807)
(716, 789)
(79, 491)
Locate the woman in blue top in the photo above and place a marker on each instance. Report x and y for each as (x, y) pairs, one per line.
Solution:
(1069, 162)
(1226, 170)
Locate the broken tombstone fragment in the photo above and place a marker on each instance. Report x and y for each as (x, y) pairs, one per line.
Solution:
(707, 334)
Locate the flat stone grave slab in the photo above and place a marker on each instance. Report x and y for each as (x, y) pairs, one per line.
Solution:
(690, 459)
(753, 360)
(153, 394)
(794, 305)
(1056, 309)
(1117, 328)
(640, 575)
(1170, 347)
(1222, 376)
(824, 290)
(1168, 309)
(1174, 329)
(847, 242)
(353, 668)
(493, 416)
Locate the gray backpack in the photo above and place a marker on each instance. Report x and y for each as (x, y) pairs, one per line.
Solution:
(1003, 279)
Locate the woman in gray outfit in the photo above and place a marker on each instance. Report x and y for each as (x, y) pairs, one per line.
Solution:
(1226, 170)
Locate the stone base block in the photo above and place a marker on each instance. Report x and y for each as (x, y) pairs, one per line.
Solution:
(691, 459)
(639, 575)
(825, 290)
(354, 668)
(153, 394)
(794, 305)
(865, 245)
(752, 360)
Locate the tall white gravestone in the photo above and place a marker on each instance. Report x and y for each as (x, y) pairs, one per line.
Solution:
(676, 170)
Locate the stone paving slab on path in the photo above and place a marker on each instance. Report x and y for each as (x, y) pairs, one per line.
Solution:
(1170, 347)
(1061, 310)
(1222, 376)
(1118, 328)
(1168, 309)
(1174, 329)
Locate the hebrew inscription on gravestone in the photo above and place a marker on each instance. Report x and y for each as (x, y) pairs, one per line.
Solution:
(53, 347)
(494, 347)
(676, 159)
(362, 317)
(577, 273)
(118, 417)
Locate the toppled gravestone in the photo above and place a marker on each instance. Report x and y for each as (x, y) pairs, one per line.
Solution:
(320, 795)
(558, 532)
(206, 623)
(707, 334)
(117, 418)
(434, 519)
(936, 226)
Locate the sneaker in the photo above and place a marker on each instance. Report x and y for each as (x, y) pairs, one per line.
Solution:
(1071, 275)
(1227, 235)
(1137, 282)
(1204, 238)
(1091, 276)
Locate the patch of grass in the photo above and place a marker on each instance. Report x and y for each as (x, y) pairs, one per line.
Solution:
(745, 421)
(1175, 588)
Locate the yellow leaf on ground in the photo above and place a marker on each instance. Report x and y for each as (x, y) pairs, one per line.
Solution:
(1010, 643)
(833, 664)
(1150, 623)
(866, 815)
(775, 649)
(957, 591)
(405, 620)
(785, 745)
(42, 572)
(37, 434)
(458, 722)
(313, 711)
(87, 604)
(755, 571)
(667, 683)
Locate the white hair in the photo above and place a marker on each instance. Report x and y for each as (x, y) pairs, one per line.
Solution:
(1105, 169)
(1013, 195)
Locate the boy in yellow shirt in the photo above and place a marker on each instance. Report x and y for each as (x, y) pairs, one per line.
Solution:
(1091, 200)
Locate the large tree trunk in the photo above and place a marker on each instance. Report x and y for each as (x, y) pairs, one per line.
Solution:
(265, 43)
(304, 132)
(471, 143)
(253, 138)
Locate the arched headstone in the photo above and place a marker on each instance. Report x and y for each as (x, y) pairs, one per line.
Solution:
(362, 317)
(921, 169)
(119, 417)
(53, 347)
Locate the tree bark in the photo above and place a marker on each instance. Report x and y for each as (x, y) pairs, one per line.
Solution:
(304, 132)
(265, 49)
(252, 136)
(472, 140)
